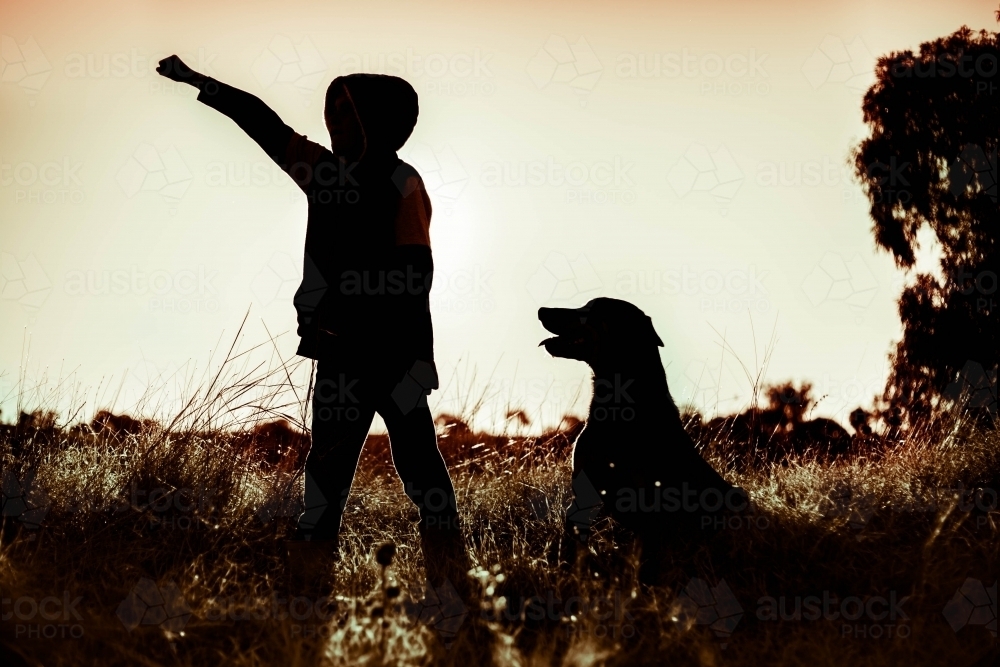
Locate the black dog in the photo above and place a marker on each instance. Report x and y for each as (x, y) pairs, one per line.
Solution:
(633, 459)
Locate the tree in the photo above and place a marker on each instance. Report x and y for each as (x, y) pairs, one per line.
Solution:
(931, 160)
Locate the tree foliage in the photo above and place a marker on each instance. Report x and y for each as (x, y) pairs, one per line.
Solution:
(931, 160)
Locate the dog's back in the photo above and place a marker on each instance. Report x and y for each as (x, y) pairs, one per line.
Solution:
(635, 450)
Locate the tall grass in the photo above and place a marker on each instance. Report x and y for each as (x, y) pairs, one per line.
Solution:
(185, 510)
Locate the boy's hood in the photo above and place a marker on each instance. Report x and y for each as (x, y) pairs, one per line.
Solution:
(387, 110)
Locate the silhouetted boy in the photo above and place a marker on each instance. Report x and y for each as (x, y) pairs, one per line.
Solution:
(363, 308)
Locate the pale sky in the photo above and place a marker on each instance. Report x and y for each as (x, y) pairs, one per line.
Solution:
(688, 157)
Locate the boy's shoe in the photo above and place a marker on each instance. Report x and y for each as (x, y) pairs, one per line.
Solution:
(445, 554)
(309, 569)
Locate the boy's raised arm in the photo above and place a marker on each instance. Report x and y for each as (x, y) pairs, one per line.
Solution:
(253, 116)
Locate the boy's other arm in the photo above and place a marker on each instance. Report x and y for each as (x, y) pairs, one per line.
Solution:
(248, 111)
(412, 256)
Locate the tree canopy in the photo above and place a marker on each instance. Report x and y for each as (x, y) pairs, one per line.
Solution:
(931, 161)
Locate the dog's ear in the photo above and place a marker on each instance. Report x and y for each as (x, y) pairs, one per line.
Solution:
(651, 333)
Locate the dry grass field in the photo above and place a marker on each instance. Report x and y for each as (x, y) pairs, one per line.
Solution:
(159, 542)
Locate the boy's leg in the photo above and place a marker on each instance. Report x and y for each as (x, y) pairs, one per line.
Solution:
(340, 424)
(342, 415)
(415, 454)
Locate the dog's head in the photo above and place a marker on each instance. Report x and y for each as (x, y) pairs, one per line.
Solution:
(601, 328)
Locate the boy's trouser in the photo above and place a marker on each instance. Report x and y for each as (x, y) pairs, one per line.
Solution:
(348, 393)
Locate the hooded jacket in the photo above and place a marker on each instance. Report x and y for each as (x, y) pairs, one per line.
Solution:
(367, 267)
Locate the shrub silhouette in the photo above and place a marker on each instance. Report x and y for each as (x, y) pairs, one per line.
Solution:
(776, 432)
(274, 442)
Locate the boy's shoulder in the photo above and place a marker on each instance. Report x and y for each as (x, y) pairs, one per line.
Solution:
(414, 217)
(407, 179)
(302, 150)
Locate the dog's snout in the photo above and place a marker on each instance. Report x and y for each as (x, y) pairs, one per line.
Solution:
(550, 319)
(559, 320)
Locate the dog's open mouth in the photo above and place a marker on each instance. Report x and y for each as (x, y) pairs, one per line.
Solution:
(567, 347)
(572, 337)
(563, 340)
